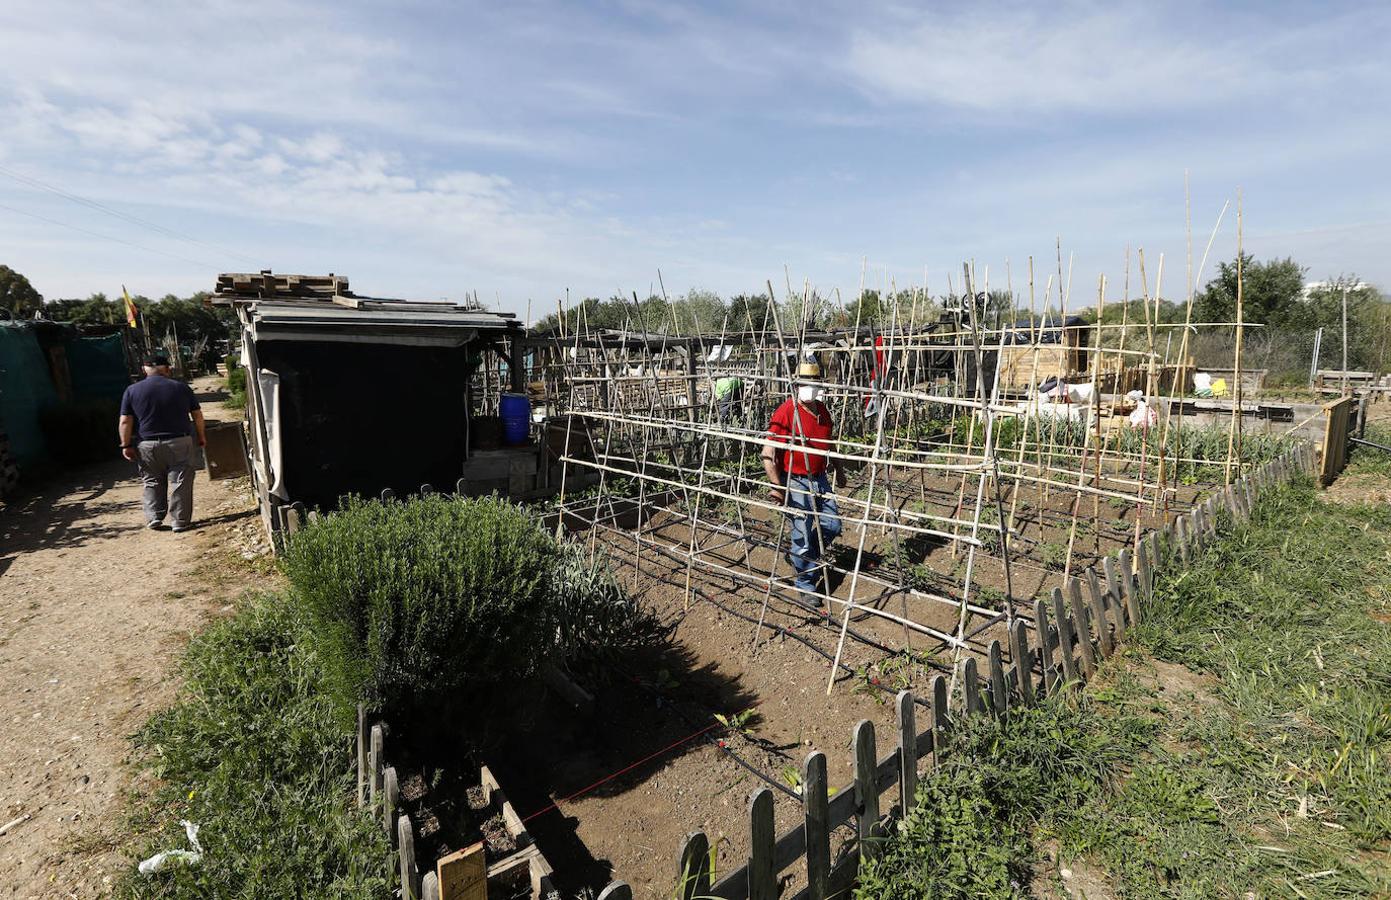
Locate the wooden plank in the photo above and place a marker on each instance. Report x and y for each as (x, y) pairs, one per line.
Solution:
(391, 792)
(970, 686)
(1181, 536)
(430, 887)
(1146, 575)
(907, 752)
(1065, 640)
(818, 826)
(999, 689)
(374, 758)
(362, 754)
(762, 879)
(693, 867)
(1045, 647)
(463, 874)
(1103, 628)
(1130, 583)
(1023, 660)
(866, 790)
(410, 875)
(1115, 586)
(1081, 631)
(494, 795)
(940, 711)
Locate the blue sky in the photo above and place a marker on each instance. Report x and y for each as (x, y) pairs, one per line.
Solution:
(520, 149)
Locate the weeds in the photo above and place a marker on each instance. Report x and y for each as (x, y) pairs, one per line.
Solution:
(254, 754)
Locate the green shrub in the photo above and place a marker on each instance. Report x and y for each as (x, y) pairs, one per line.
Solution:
(232, 362)
(422, 601)
(426, 596)
(236, 387)
(253, 753)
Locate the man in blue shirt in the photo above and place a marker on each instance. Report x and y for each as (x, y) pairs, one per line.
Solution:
(159, 417)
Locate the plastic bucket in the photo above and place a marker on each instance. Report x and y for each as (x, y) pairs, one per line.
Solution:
(515, 412)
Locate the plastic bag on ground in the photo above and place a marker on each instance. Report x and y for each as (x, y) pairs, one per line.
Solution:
(189, 857)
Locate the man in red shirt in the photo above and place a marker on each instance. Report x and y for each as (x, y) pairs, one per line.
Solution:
(798, 474)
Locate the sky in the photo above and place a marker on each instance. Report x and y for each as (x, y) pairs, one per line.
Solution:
(522, 150)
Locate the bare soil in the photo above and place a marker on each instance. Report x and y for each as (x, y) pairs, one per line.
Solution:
(94, 610)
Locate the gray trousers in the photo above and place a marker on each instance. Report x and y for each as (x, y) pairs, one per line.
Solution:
(163, 465)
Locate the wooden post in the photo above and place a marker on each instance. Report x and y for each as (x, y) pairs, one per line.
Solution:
(391, 791)
(1081, 633)
(1023, 661)
(867, 790)
(940, 712)
(1117, 582)
(907, 754)
(1064, 637)
(999, 691)
(619, 890)
(1181, 534)
(1129, 583)
(410, 875)
(763, 881)
(694, 870)
(375, 759)
(1099, 621)
(361, 754)
(970, 686)
(430, 887)
(817, 826)
(1045, 649)
(1146, 579)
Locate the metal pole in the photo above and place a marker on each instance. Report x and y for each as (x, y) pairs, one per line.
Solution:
(1314, 362)
(1345, 340)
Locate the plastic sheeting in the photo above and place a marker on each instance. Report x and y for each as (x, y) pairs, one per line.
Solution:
(98, 367)
(26, 388)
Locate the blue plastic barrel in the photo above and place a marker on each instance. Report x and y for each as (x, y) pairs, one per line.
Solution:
(515, 412)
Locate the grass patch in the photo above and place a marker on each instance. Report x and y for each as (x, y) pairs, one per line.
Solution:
(1239, 746)
(254, 753)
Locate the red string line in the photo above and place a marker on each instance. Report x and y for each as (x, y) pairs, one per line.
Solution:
(608, 778)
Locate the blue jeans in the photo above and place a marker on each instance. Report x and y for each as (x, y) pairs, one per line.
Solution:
(808, 495)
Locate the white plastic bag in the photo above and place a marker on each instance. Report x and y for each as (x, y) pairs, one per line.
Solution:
(190, 857)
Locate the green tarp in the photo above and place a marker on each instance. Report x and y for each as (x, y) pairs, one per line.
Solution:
(97, 366)
(25, 389)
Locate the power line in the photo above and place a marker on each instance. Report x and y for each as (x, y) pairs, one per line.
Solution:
(106, 237)
(135, 220)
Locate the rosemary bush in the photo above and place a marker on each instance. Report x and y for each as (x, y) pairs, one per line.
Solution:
(418, 601)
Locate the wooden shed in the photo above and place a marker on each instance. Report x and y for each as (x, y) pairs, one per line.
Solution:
(350, 395)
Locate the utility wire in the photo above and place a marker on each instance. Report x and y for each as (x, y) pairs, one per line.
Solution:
(106, 237)
(135, 220)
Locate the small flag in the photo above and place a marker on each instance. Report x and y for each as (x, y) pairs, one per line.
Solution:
(130, 306)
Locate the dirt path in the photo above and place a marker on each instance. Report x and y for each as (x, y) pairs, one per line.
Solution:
(94, 609)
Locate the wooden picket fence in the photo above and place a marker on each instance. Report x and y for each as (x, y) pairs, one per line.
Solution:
(1070, 635)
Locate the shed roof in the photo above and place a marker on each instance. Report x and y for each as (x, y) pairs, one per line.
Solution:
(321, 308)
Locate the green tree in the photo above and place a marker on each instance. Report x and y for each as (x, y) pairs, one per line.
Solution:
(1369, 322)
(17, 295)
(1271, 293)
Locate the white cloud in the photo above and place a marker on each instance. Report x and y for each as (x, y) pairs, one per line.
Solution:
(1127, 57)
